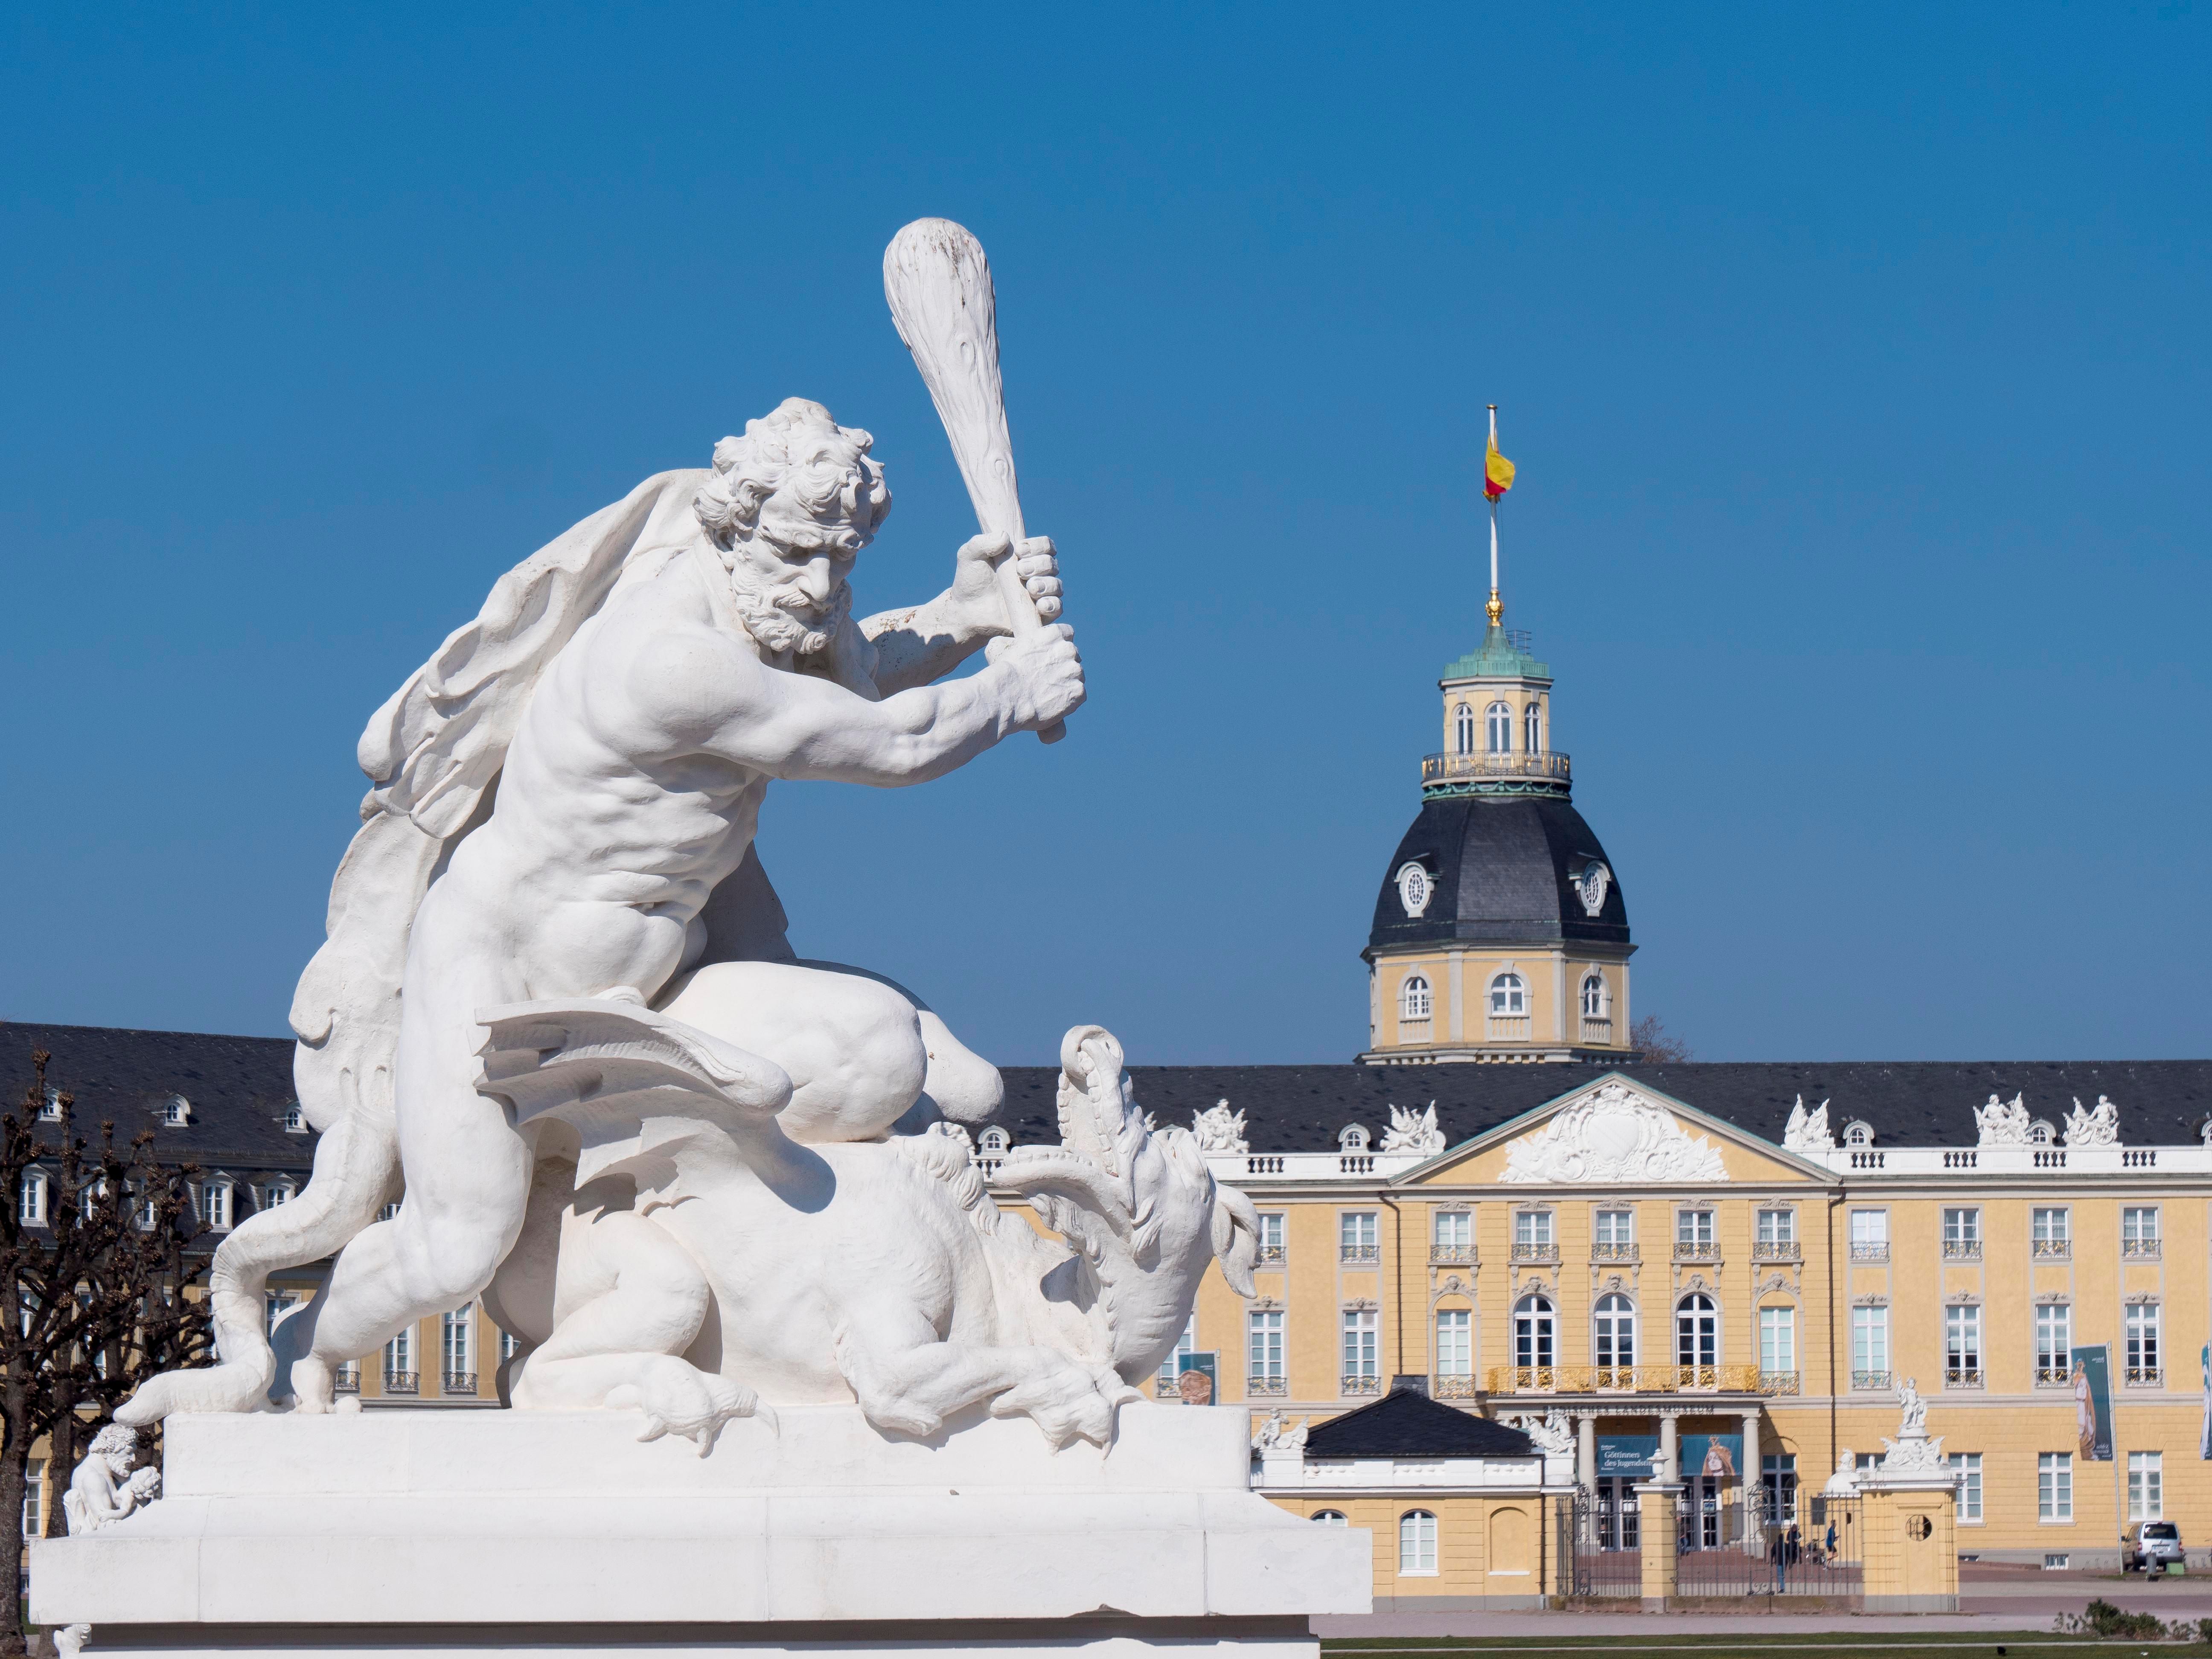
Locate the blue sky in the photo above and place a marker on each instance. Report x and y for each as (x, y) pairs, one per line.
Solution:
(1855, 361)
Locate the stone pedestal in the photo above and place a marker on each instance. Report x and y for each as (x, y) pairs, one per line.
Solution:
(1656, 1519)
(460, 1532)
(1907, 1527)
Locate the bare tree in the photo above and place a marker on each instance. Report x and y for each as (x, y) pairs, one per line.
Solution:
(93, 1240)
(1658, 1046)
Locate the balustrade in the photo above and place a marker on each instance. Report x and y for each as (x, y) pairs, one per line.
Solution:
(403, 1382)
(1638, 1379)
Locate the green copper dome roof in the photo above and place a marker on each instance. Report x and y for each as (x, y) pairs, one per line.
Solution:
(1502, 656)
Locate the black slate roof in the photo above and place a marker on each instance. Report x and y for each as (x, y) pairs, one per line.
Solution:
(1301, 1109)
(1405, 1423)
(1504, 870)
(238, 1088)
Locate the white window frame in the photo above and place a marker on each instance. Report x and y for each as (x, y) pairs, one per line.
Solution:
(1497, 723)
(1614, 1226)
(1535, 1332)
(1263, 1344)
(1777, 1226)
(1455, 1342)
(1962, 1339)
(1966, 1468)
(1870, 1346)
(1508, 996)
(1272, 1238)
(1358, 1235)
(399, 1354)
(1533, 1229)
(1693, 1345)
(1613, 1335)
(457, 1339)
(1697, 1228)
(1532, 728)
(1415, 997)
(2139, 1226)
(1463, 729)
(1329, 1518)
(2050, 1223)
(219, 1201)
(2146, 1485)
(1417, 1544)
(1362, 1345)
(1597, 1002)
(295, 1119)
(1777, 1341)
(2142, 1338)
(34, 1497)
(30, 1197)
(2054, 1489)
(2054, 1355)
(1454, 1230)
(1962, 1226)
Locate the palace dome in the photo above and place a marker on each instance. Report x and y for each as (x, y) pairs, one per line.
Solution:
(1498, 869)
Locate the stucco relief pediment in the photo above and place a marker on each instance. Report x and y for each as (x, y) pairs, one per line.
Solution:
(1613, 1134)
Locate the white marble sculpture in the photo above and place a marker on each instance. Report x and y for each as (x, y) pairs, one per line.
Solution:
(1845, 1482)
(1219, 1130)
(2004, 1123)
(631, 690)
(2097, 1125)
(1276, 1434)
(108, 1482)
(1613, 1134)
(1553, 1433)
(1414, 1132)
(1914, 1451)
(1808, 1132)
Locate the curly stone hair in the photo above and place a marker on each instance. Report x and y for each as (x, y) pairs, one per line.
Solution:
(797, 476)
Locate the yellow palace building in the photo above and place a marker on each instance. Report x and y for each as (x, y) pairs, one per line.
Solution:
(1716, 1274)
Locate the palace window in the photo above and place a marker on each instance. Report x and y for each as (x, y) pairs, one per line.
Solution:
(1775, 1238)
(1272, 1247)
(1455, 1342)
(1595, 1004)
(1869, 1234)
(2147, 1485)
(1777, 1342)
(1616, 1229)
(1693, 1228)
(460, 1347)
(2139, 1232)
(1696, 1331)
(1858, 1134)
(1869, 1347)
(1778, 1474)
(277, 1303)
(215, 1199)
(2050, 1232)
(1413, 998)
(1463, 729)
(2054, 1486)
(1454, 1235)
(1532, 1332)
(399, 1361)
(1616, 1331)
(2041, 1132)
(1359, 1345)
(1962, 1234)
(2141, 1327)
(34, 1497)
(1501, 728)
(509, 1345)
(1962, 1347)
(295, 1120)
(52, 1112)
(1263, 1360)
(1967, 1468)
(278, 1191)
(1417, 1543)
(1356, 1236)
(1509, 995)
(1329, 1517)
(1532, 728)
(176, 1112)
(2054, 1342)
(31, 1199)
(1532, 1233)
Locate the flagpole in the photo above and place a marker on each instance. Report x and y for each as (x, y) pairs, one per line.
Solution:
(1497, 606)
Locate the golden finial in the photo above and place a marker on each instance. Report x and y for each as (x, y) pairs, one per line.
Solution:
(1496, 608)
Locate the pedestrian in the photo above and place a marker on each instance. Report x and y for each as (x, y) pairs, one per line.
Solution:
(1793, 1544)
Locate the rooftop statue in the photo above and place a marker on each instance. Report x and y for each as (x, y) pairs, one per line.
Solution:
(2097, 1125)
(689, 1171)
(1414, 1132)
(1219, 1130)
(1808, 1131)
(2004, 1123)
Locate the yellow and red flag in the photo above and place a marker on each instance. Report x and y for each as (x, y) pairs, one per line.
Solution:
(1497, 471)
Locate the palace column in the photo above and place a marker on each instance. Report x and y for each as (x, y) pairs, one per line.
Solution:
(1753, 1542)
(1586, 1451)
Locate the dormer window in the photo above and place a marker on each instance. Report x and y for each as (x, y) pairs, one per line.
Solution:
(215, 1205)
(1858, 1134)
(1351, 1139)
(295, 1119)
(176, 1111)
(50, 1112)
(1532, 726)
(1501, 728)
(278, 1192)
(994, 1142)
(2040, 1133)
(1463, 729)
(1414, 998)
(31, 1199)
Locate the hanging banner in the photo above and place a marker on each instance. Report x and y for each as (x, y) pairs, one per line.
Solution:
(2204, 1428)
(1712, 1457)
(2093, 1403)
(1627, 1457)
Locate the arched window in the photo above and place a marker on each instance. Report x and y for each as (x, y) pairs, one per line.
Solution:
(1696, 1331)
(1858, 1134)
(1501, 728)
(1532, 726)
(994, 1142)
(1463, 729)
(1417, 1542)
(1329, 1517)
(1616, 1331)
(1532, 1332)
(2040, 1133)
(1413, 998)
(1509, 995)
(1595, 1004)
(295, 1120)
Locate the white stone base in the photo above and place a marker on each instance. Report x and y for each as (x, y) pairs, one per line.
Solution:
(453, 1532)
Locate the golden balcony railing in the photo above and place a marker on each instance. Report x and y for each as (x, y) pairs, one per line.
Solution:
(1636, 1379)
(1603, 1252)
(1544, 763)
(1776, 1249)
(1451, 1387)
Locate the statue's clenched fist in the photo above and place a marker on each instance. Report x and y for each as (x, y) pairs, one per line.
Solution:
(975, 584)
(1043, 674)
